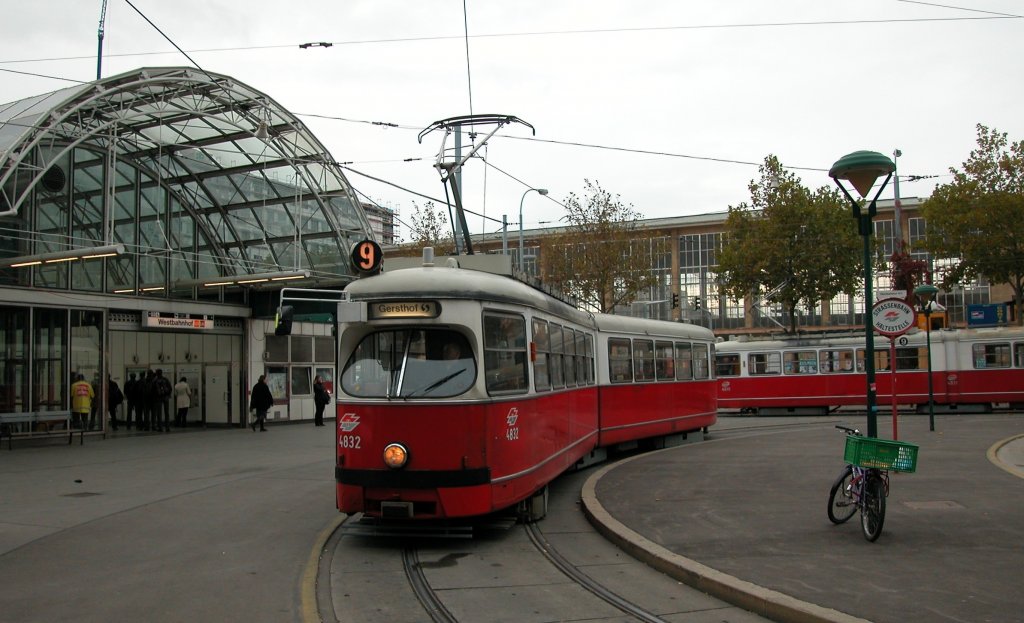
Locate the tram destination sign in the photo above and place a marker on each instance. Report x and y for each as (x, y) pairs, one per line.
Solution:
(404, 309)
(893, 317)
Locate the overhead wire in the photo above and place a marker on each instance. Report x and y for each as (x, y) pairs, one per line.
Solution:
(547, 33)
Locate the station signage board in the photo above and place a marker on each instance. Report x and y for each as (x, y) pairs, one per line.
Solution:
(893, 317)
(156, 321)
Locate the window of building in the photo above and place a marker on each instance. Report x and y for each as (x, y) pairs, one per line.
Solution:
(301, 383)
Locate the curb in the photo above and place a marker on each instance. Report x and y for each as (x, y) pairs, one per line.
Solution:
(759, 600)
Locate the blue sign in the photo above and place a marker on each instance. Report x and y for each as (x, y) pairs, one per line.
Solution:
(986, 315)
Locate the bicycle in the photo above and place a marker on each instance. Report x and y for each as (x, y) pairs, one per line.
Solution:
(864, 482)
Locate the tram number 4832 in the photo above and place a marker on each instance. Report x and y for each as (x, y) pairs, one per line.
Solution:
(512, 433)
(351, 442)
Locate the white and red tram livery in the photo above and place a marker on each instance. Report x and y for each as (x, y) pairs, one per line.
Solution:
(464, 392)
(974, 369)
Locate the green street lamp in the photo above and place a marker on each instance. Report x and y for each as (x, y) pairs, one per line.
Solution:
(861, 169)
(925, 294)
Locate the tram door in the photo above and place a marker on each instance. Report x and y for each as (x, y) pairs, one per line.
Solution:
(217, 394)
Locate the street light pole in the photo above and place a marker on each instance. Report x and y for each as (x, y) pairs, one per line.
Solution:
(861, 169)
(541, 191)
(925, 294)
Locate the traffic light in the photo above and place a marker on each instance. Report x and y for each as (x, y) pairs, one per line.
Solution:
(696, 303)
(675, 301)
(284, 320)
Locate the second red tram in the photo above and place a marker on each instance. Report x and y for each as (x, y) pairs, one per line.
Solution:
(974, 369)
(464, 392)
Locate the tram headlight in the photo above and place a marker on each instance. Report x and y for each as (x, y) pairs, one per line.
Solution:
(395, 455)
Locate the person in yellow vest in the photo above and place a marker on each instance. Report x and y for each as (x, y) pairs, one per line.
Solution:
(81, 401)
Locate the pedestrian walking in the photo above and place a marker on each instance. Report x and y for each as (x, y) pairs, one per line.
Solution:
(261, 400)
(114, 399)
(321, 398)
(182, 400)
(81, 401)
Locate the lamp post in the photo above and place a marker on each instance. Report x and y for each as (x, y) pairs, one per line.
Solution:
(861, 169)
(925, 294)
(541, 191)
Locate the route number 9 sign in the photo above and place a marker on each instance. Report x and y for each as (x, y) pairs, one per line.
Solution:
(366, 257)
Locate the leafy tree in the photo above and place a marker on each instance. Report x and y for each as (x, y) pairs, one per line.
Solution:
(978, 219)
(596, 258)
(430, 229)
(792, 244)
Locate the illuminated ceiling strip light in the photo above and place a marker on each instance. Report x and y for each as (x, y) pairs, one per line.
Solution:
(85, 253)
(247, 279)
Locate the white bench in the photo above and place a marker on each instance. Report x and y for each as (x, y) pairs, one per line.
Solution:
(32, 419)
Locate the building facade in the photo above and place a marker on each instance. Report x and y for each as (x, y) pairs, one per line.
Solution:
(150, 221)
(683, 251)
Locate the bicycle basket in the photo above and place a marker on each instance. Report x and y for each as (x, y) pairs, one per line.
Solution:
(897, 456)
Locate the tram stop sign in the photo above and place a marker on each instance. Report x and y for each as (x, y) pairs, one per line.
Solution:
(893, 317)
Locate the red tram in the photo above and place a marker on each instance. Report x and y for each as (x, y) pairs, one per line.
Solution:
(974, 369)
(464, 392)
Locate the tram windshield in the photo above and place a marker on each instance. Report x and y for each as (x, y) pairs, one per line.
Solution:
(410, 363)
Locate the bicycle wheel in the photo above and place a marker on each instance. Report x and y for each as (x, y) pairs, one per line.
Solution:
(872, 512)
(841, 505)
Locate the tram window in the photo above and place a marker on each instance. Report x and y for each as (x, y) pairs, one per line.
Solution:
(727, 364)
(664, 362)
(581, 359)
(831, 361)
(505, 353)
(542, 348)
(759, 364)
(590, 359)
(991, 355)
(701, 367)
(800, 362)
(417, 363)
(911, 358)
(569, 359)
(557, 379)
(1018, 354)
(684, 362)
(620, 361)
(643, 360)
(860, 360)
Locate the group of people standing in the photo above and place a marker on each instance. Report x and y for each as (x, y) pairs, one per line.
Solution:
(147, 401)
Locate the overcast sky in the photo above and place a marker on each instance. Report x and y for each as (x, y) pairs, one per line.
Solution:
(678, 101)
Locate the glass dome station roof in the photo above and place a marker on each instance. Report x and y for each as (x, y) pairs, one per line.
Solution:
(255, 190)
